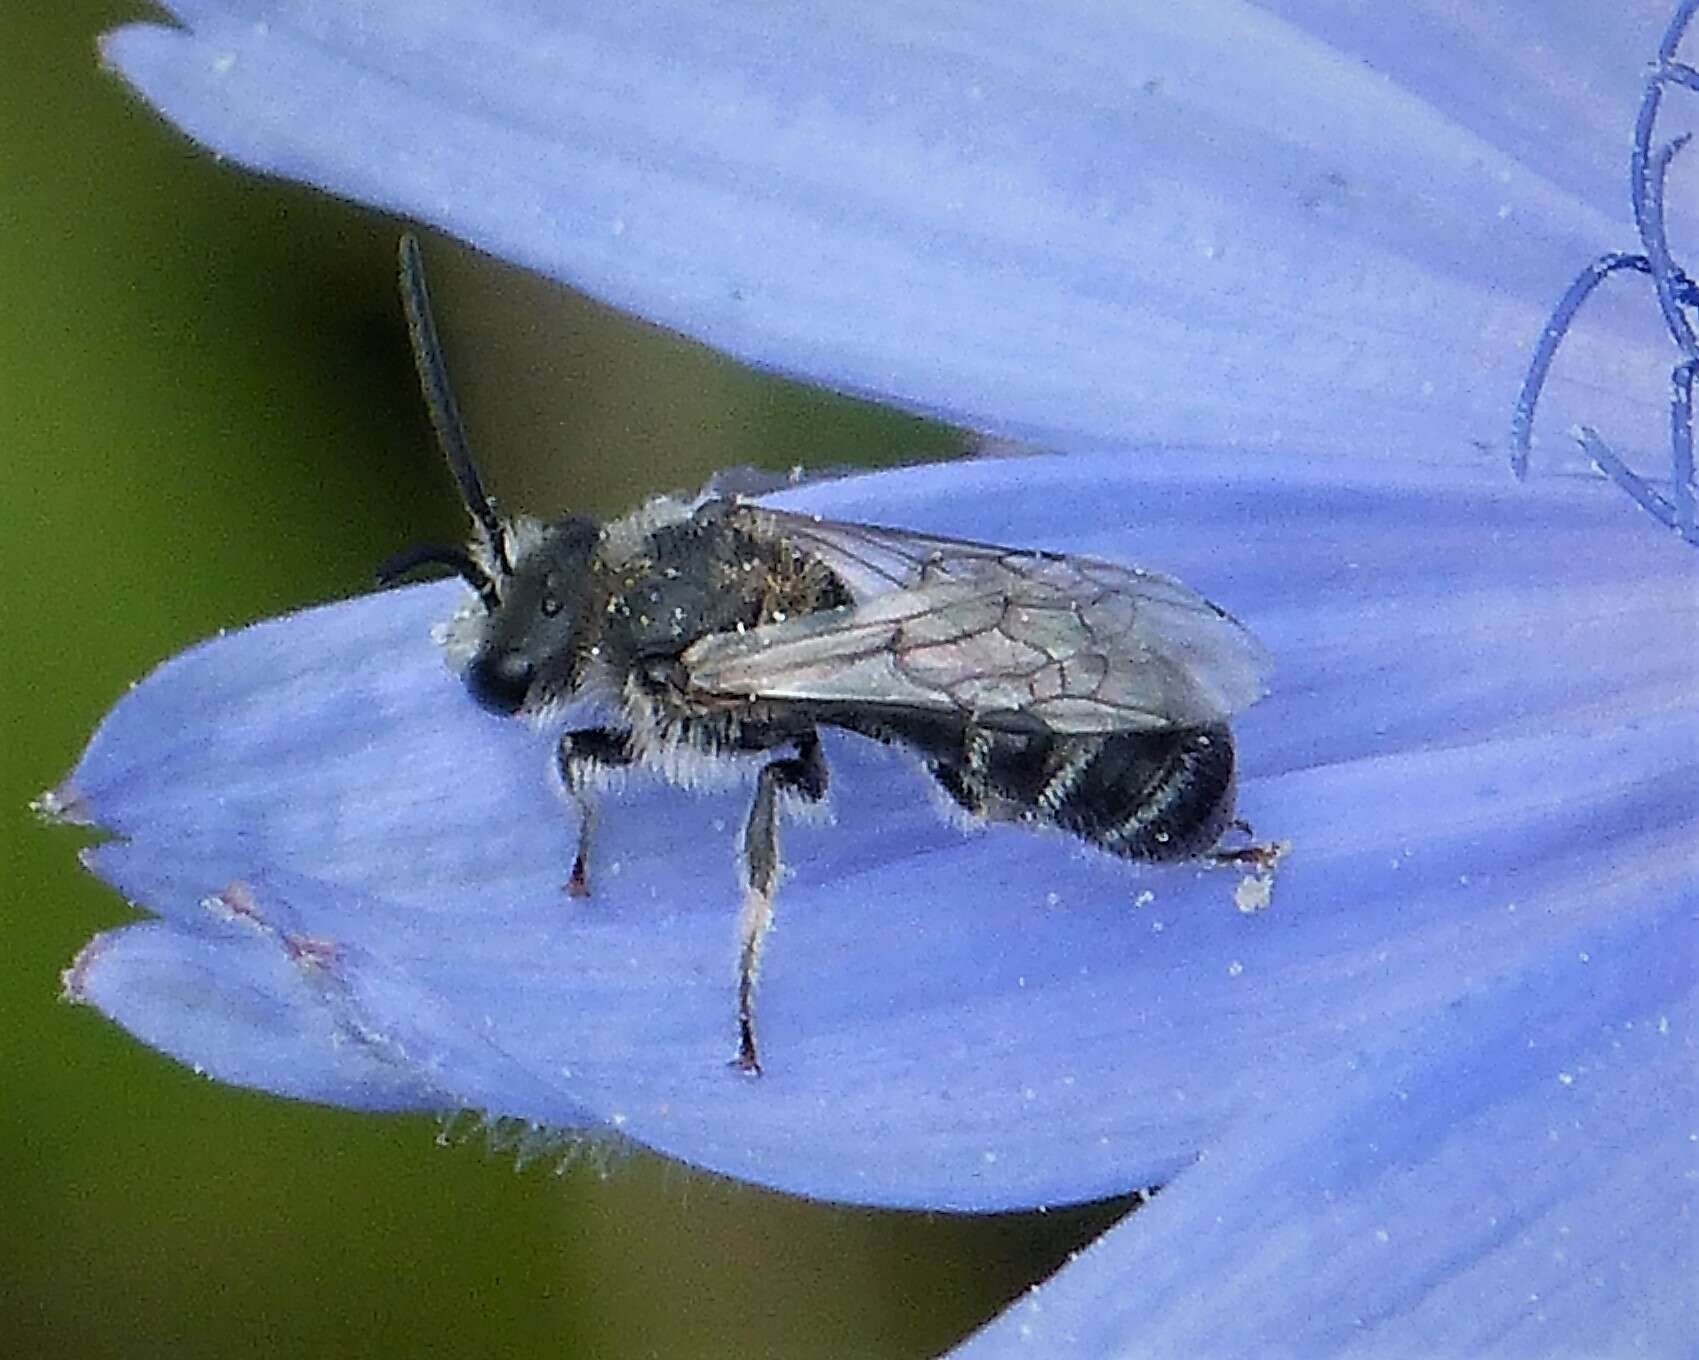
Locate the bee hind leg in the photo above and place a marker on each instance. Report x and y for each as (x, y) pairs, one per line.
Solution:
(804, 775)
(1262, 858)
(581, 753)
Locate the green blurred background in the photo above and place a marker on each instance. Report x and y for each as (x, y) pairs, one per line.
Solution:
(207, 416)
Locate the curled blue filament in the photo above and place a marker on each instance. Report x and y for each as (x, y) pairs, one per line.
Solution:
(1677, 296)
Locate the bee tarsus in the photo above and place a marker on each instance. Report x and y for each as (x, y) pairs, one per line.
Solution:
(1262, 858)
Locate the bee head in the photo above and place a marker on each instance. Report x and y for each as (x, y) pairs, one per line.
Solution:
(532, 579)
(526, 654)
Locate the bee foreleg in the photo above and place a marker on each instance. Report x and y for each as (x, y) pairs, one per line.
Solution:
(805, 775)
(581, 752)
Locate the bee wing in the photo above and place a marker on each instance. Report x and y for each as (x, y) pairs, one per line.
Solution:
(1010, 638)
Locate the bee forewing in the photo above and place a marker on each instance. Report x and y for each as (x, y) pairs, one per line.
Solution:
(1003, 636)
(868, 560)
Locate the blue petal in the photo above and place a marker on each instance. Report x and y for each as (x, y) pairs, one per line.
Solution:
(1517, 1179)
(1103, 225)
(1443, 759)
(248, 991)
(237, 1013)
(1310, 226)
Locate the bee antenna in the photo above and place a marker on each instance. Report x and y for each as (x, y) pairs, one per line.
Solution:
(445, 413)
(457, 560)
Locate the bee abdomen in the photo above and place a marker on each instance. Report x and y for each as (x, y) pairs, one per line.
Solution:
(1144, 795)
(1156, 795)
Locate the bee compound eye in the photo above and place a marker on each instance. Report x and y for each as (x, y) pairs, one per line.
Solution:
(501, 680)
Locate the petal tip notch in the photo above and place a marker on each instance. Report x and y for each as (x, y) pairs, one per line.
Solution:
(63, 806)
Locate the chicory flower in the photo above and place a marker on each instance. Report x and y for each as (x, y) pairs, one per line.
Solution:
(1271, 275)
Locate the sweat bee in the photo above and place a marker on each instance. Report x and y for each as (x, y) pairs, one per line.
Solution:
(1035, 687)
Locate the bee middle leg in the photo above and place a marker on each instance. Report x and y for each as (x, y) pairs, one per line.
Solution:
(580, 752)
(803, 774)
